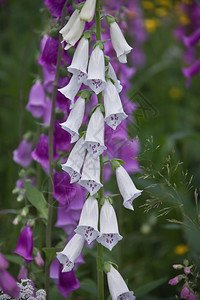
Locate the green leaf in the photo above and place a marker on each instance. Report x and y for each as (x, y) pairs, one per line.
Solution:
(14, 258)
(50, 254)
(145, 289)
(89, 286)
(37, 199)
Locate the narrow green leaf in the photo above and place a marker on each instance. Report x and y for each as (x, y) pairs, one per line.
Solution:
(50, 254)
(145, 289)
(14, 258)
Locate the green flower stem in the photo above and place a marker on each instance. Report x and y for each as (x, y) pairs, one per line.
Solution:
(51, 163)
(100, 247)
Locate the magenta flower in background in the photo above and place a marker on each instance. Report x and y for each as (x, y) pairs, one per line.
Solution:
(55, 6)
(174, 281)
(38, 259)
(3, 263)
(22, 155)
(24, 246)
(62, 138)
(8, 284)
(36, 102)
(23, 273)
(65, 220)
(191, 71)
(48, 57)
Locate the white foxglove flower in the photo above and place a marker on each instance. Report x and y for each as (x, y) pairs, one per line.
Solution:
(88, 10)
(75, 161)
(114, 113)
(88, 223)
(126, 187)
(80, 61)
(117, 286)
(119, 43)
(96, 71)
(75, 119)
(71, 252)
(112, 75)
(109, 232)
(71, 89)
(90, 178)
(94, 139)
(72, 32)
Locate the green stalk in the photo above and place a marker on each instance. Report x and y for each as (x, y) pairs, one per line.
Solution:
(51, 163)
(100, 247)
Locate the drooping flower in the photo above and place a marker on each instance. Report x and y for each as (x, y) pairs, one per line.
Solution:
(88, 10)
(96, 71)
(62, 138)
(24, 246)
(119, 43)
(192, 39)
(126, 187)
(71, 89)
(71, 252)
(192, 70)
(38, 259)
(88, 222)
(8, 284)
(3, 263)
(117, 286)
(114, 113)
(94, 139)
(36, 103)
(90, 178)
(55, 6)
(175, 280)
(22, 155)
(49, 50)
(23, 273)
(109, 232)
(75, 161)
(79, 63)
(75, 119)
(185, 293)
(113, 76)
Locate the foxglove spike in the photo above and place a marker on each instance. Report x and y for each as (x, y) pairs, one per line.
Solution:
(24, 246)
(117, 286)
(126, 187)
(71, 252)
(119, 43)
(94, 139)
(80, 61)
(96, 71)
(71, 89)
(90, 178)
(75, 161)
(88, 223)
(112, 75)
(75, 119)
(109, 232)
(114, 113)
(88, 10)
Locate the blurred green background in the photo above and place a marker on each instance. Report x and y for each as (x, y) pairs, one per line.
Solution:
(170, 127)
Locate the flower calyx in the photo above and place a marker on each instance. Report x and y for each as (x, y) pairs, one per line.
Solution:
(110, 19)
(107, 265)
(116, 163)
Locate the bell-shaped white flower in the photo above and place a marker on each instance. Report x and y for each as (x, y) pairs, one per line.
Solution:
(114, 113)
(117, 286)
(126, 187)
(80, 61)
(94, 139)
(75, 119)
(71, 89)
(88, 222)
(96, 71)
(90, 178)
(71, 252)
(75, 161)
(119, 43)
(73, 30)
(109, 232)
(88, 10)
(113, 76)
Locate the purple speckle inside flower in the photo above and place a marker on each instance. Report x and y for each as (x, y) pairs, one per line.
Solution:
(95, 148)
(96, 83)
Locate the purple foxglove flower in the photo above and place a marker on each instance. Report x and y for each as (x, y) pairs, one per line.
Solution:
(193, 39)
(126, 187)
(39, 260)
(117, 286)
(79, 63)
(71, 89)
(23, 273)
(192, 70)
(88, 10)
(112, 75)
(61, 102)
(174, 281)
(49, 77)
(48, 57)
(109, 232)
(24, 246)
(36, 103)
(47, 112)
(75, 161)
(41, 153)
(119, 43)
(114, 113)
(75, 119)
(67, 282)
(187, 270)
(22, 155)
(55, 6)
(96, 71)
(185, 293)
(76, 204)
(65, 220)
(90, 178)
(192, 296)
(8, 284)
(3, 263)
(94, 140)
(88, 223)
(61, 138)
(71, 252)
